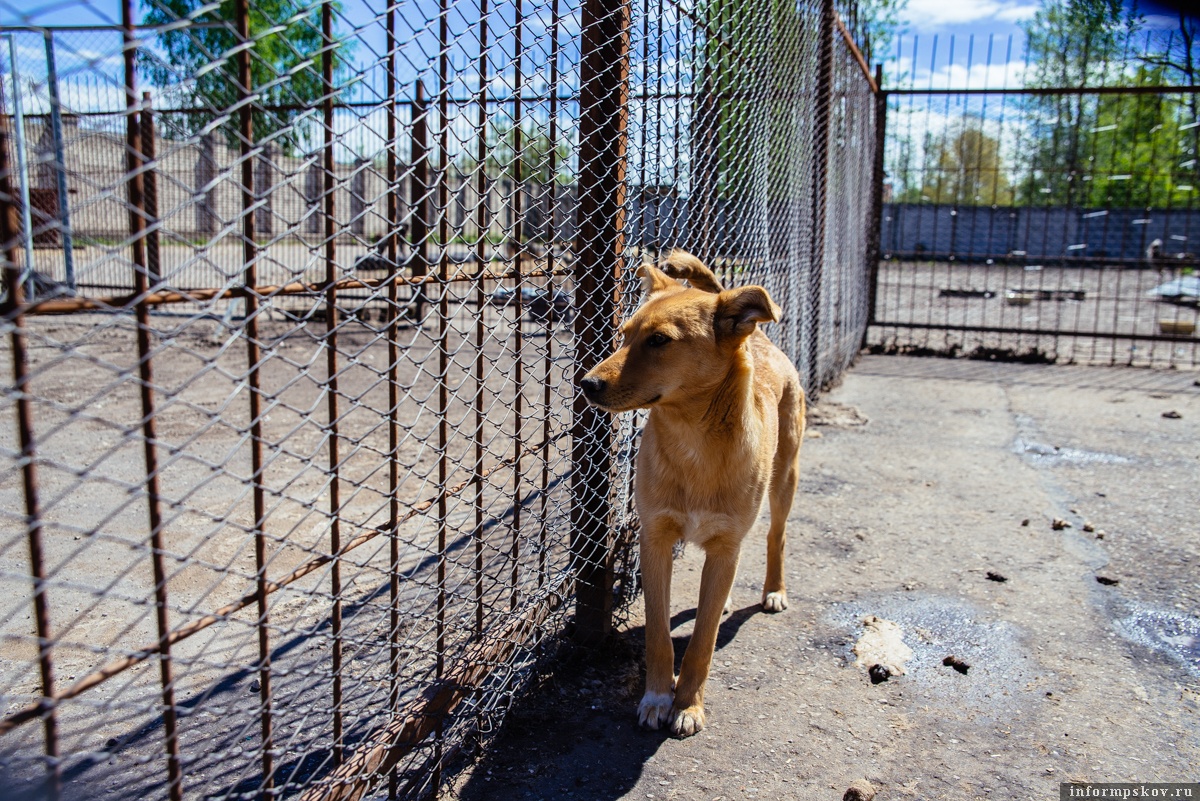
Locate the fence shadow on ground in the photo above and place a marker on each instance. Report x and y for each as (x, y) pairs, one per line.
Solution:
(576, 735)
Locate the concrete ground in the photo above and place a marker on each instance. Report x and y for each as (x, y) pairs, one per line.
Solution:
(919, 478)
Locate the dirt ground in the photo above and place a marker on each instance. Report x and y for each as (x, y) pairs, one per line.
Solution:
(921, 476)
(952, 299)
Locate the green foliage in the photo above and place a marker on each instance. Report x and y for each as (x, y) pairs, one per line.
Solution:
(535, 151)
(963, 167)
(1115, 150)
(879, 23)
(199, 69)
(739, 72)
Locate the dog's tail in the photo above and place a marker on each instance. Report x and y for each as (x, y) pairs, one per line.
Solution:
(681, 264)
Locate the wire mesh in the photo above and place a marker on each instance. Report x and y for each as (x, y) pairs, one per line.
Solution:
(1036, 218)
(298, 486)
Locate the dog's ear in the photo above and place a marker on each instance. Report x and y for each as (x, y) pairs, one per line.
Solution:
(655, 280)
(740, 310)
(681, 264)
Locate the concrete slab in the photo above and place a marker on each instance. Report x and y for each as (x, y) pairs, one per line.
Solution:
(923, 477)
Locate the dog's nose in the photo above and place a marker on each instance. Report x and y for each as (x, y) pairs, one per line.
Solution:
(592, 386)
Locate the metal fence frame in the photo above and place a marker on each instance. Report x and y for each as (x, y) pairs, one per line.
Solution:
(822, 285)
(940, 294)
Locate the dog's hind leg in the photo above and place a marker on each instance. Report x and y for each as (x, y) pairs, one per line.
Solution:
(657, 544)
(720, 566)
(785, 476)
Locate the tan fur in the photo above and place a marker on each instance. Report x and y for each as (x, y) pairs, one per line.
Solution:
(724, 431)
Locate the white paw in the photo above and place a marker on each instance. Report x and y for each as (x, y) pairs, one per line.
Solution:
(654, 709)
(774, 602)
(687, 722)
(728, 606)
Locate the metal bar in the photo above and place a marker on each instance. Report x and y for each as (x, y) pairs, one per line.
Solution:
(46, 707)
(96, 677)
(150, 191)
(481, 213)
(603, 120)
(518, 310)
(549, 360)
(875, 229)
(136, 164)
(122, 302)
(1043, 332)
(443, 379)
(418, 187)
(110, 28)
(60, 162)
(874, 82)
(22, 171)
(331, 383)
(820, 183)
(272, 108)
(1057, 90)
(393, 379)
(253, 360)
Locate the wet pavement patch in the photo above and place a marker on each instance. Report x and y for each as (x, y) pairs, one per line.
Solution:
(1039, 453)
(934, 626)
(1172, 634)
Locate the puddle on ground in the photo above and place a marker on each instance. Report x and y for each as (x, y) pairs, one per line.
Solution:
(934, 628)
(1042, 454)
(1173, 634)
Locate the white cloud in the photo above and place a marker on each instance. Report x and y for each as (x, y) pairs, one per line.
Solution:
(924, 14)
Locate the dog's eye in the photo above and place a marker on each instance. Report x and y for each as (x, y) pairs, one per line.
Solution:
(657, 340)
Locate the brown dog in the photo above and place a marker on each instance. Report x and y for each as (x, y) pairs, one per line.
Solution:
(726, 420)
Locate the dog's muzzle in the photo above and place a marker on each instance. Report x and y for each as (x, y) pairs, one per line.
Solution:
(593, 388)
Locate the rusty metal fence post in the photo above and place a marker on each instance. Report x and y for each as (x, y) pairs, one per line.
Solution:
(150, 190)
(603, 119)
(875, 224)
(820, 176)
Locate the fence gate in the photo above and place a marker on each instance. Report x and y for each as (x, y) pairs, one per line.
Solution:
(296, 486)
(1044, 222)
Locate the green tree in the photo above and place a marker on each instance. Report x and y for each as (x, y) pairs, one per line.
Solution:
(1178, 59)
(963, 167)
(878, 23)
(1112, 150)
(534, 163)
(1069, 43)
(198, 68)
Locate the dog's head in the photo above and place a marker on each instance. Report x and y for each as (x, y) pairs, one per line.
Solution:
(682, 342)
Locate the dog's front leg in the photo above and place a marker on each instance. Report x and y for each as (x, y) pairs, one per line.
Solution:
(720, 567)
(657, 542)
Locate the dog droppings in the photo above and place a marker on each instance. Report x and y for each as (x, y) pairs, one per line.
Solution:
(994, 576)
(859, 790)
(835, 415)
(1106, 581)
(1058, 524)
(882, 646)
(956, 663)
(879, 674)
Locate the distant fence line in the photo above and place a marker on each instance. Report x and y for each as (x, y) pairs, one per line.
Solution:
(1031, 233)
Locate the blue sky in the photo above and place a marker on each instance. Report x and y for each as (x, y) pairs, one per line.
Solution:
(987, 40)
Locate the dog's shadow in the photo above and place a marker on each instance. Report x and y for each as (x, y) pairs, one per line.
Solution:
(576, 736)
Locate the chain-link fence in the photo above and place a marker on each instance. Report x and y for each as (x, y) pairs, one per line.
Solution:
(1043, 205)
(297, 486)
